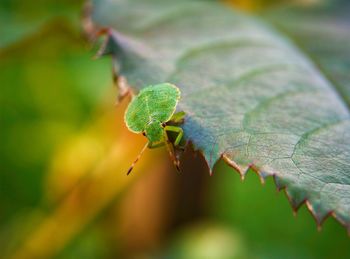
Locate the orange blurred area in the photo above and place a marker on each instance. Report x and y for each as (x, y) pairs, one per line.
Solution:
(87, 175)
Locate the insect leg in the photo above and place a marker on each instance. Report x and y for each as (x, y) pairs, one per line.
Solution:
(171, 150)
(177, 130)
(137, 159)
(178, 117)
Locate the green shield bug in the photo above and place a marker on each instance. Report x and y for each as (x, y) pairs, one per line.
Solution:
(150, 113)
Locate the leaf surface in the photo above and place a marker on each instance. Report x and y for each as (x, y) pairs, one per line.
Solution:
(251, 97)
(324, 33)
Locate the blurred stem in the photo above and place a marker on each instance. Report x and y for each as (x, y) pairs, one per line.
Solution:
(88, 197)
(256, 5)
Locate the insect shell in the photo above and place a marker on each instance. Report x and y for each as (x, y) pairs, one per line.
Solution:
(148, 112)
(153, 106)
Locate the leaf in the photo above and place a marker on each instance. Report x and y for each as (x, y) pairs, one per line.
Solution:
(323, 32)
(251, 97)
(29, 18)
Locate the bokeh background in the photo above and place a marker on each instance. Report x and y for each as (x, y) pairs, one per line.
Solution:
(64, 151)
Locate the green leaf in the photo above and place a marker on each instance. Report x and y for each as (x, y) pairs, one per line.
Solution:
(29, 18)
(251, 97)
(323, 32)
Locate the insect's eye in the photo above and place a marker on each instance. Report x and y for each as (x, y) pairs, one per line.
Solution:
(143, 133)
(163, 124)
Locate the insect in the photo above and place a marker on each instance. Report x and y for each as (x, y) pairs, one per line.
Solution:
(150, 113)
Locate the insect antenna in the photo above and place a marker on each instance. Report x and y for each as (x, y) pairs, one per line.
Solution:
(137, 159)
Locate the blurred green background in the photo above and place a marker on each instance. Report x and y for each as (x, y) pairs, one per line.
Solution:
(64, 152)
